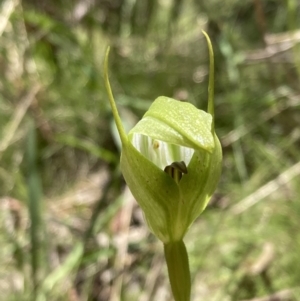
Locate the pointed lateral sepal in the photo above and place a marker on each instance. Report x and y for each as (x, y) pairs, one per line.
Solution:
(199, 184)
(154, 190)
(112, 102)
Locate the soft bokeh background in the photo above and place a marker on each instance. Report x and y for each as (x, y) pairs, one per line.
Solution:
(70, 229)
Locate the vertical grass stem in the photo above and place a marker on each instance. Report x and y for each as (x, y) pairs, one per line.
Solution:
(35, 212)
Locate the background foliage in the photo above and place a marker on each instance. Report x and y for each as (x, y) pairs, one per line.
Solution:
(70, 230)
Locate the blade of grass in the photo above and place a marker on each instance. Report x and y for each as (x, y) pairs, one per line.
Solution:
(6, 9)
(87, 146)
(19, 113)
(65, 269)
(293, 21)
(266, 189)
(35, 212)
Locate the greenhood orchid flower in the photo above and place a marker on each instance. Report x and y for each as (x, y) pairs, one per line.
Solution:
(171, 161)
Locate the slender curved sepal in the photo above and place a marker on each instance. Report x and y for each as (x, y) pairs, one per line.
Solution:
(114, 109)
(211, 79)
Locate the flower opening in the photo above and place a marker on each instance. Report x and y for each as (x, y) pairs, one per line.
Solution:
(161, 153)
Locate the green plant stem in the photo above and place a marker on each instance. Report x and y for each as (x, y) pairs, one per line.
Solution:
(178, 269)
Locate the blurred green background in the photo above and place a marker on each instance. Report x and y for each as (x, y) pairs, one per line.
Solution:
(69, 228)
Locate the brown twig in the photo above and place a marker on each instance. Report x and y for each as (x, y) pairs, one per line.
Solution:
(266, 189)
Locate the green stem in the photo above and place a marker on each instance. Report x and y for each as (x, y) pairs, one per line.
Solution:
(178, 269)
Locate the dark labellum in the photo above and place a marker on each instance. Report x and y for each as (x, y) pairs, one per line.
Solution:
(176, 170)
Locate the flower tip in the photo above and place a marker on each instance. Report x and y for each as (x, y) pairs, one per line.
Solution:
(106, 61)
(210, 107)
